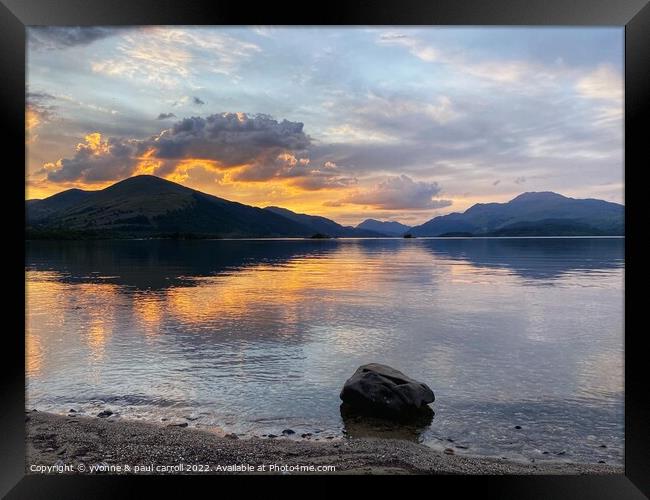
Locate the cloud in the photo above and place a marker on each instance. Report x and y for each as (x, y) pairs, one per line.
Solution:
(498, 135)
(439, 110)
(490, 71)
(398, 193)
(602, 83)
(230, 138)
(297, 172)
(391, 36)
(95, 160)
(38, 97)
(170, 57)
(59, 37)
(605, 87)
(34, 118)
(197, 101)
(165, 116)
(38, 111)
(333, 204)
(416, 47)
(265, 31)
(381, 107)
(252, 148)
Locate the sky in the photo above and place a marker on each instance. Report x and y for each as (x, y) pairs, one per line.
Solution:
(392, 123)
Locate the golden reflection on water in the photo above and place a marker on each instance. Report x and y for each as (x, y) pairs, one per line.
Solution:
(148, 309)
(99, 301)
(96, 336)
(285, 292)
(33, 353)
(38, 294)
(284, 298)
(52, 309)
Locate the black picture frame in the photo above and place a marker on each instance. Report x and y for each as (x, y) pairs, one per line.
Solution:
(634, 15)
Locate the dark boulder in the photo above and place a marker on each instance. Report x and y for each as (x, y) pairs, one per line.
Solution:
(380, 390)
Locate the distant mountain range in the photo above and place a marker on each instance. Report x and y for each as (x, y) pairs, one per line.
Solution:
(389, 228)
(321, 225)
(148, 206)
(531, 214)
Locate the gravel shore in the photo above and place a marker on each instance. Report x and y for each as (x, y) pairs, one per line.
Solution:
(111, 442)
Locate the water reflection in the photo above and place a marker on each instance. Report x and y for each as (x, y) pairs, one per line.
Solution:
(160, 264)
(33, 353)
(258, 336)
(364, 426)
(532, 258)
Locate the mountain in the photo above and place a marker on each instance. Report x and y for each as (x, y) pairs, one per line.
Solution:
(323, 225)
(549, 227)
(41, 208)
(531, 214)
(389, 228)
(148, 206)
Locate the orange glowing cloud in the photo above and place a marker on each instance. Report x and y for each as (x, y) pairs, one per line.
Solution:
(32, 119)
(94, 143)
(226, 148)
(147, 164)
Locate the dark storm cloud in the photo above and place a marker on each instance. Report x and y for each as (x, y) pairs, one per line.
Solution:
(165, 116)
(58, 37)
(230, 138)
(260, 147)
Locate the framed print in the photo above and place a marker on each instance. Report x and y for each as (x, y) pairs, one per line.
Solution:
(393, 241)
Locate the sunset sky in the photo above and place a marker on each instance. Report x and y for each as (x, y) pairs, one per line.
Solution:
(392, 123)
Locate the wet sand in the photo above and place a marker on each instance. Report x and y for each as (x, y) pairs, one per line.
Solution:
(73, 440)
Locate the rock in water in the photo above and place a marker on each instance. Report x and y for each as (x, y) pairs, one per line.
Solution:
(380, 390)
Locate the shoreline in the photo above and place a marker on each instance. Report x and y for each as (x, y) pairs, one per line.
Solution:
(74, 441)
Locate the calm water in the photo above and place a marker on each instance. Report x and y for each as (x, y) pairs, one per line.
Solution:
(257, 336)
